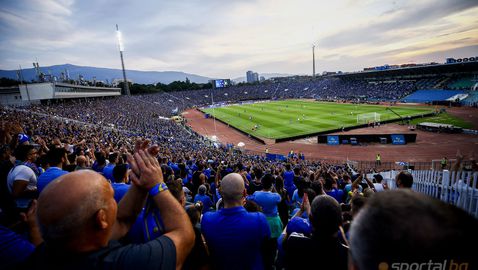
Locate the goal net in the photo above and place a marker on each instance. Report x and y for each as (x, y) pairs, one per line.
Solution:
(365, 118)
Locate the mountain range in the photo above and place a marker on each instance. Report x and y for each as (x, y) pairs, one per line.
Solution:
(104, 74)
(109, 74)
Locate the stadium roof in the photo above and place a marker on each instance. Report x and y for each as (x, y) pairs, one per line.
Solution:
(467, 67)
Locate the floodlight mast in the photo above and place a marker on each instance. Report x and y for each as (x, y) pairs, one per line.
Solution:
(313, 60)
(121, 49)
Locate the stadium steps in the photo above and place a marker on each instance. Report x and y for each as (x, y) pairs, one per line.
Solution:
(462, 83)
(442, 83)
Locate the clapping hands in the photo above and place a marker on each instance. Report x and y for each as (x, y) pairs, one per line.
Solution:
(146, 171)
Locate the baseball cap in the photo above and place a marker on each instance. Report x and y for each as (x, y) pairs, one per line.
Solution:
(299, 225)
(22, 138)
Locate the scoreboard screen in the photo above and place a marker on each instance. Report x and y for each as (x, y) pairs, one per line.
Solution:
(221, 83)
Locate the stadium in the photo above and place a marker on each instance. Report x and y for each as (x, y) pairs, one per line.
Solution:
(368, 169)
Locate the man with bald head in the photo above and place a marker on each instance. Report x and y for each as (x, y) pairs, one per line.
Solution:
(81, 222)
(236, 238)
(81, 163)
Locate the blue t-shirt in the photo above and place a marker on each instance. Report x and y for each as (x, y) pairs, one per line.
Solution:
(337, 194)
(13, 248)
(207, 202)
(108, 171)
(267, 200)
(296, 199)
(235, 237)
(120, 190)
(49, 175)
(289, 178)
(148, 225)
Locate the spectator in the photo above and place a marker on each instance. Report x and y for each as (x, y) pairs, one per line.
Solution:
(108, 169)
(120, 186)
(22, 179)
(14, 248)
(269, 202)
(325, 244)
(404, 179)
(414, 228)
(233, 231)
(377, 179)
(56, 158)
(205, 199)
(81, 163)
(75, 240)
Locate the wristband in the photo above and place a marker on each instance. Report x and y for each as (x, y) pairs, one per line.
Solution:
(158, 188)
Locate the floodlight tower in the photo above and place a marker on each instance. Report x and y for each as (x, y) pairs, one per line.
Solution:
(121, 49)
(313, 60)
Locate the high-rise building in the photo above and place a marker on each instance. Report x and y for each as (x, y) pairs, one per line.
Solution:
(256, 77)
(249, 76)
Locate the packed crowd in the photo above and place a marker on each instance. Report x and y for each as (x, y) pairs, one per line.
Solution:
(326, 89)
(106, 183)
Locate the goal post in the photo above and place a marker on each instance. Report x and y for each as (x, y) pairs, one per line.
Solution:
(365, 118)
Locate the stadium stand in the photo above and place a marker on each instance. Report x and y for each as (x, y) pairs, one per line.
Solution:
(309, 191)
(423, 96)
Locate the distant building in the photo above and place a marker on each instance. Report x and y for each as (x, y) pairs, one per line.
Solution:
(256, 77)
(262, 79)
(249, 76)
(252, 77)
(116, 82)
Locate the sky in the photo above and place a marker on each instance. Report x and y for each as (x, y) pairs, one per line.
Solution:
(225, 38)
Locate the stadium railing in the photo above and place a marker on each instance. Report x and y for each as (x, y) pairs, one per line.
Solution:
(458, 188)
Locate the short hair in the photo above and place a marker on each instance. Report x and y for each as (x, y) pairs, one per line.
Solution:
(55, 155)
(267, 181)
(232, 187)
(357, 203)
(317, 187)
(252, 206)
(406, 179)
(119, 171)
(378, 178)
(326, 215)
(400, 226)
(176, 188)
(113, 157)
(202, 189)
(328, 183)
(194, 213)
(100, 157)
(21, 152)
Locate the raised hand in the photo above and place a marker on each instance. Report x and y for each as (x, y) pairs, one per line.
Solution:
(146, 170)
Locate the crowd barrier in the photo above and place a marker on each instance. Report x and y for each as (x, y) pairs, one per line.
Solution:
(457, 188)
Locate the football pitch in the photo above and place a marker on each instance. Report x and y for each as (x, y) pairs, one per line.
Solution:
(290, 118)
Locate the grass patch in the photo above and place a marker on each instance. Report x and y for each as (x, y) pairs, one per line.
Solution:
(289, 118)
(444, 118)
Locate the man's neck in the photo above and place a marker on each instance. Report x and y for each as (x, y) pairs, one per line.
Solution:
(232, 204)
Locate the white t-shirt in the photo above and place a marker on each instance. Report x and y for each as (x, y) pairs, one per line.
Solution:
(22, 173)
(378, 187)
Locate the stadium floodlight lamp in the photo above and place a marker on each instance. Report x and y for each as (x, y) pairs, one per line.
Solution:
(206, 96)
(120, 40)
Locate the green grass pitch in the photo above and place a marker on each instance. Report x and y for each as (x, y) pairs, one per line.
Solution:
(289, 118)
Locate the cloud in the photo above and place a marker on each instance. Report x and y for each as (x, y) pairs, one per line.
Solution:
(219, 38)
